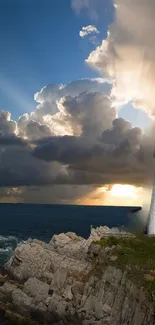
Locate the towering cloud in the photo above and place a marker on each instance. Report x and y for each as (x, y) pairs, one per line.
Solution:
(127, 56)
(72, 138)
(7, 125)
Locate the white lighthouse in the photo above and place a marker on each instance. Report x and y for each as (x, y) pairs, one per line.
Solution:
(151, 221)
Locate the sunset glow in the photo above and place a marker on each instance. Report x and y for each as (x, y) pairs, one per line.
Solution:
(118, 195)
(127, 191)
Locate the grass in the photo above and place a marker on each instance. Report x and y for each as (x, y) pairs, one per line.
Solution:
(137, 256)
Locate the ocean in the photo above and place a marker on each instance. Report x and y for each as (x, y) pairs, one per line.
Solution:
(18, 222)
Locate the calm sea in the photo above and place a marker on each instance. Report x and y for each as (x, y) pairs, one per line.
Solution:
(18, 222)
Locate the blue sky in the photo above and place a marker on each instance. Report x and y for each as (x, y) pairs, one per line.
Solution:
(40, 44)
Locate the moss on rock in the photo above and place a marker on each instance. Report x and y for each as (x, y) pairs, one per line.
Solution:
(136, 255)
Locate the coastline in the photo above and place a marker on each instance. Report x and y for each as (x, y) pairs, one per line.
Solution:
(72, 280)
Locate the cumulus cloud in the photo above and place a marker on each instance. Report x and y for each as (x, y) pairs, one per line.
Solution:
(73, 139)
(49, 95)
(127, 56)
(121, 155)
(34, 130)
(50, 110)
(88, 30)
(87, 114)
(7, 126)
(18, 164)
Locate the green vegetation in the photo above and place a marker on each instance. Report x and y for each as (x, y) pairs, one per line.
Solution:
(137, 256)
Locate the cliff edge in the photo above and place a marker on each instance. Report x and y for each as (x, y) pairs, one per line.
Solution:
(108, 279)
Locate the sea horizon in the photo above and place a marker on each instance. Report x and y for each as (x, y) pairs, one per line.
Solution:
(68, 204)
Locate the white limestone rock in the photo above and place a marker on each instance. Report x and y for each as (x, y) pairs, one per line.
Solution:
(78, 294)
(67, 294)
(69, 244)
(59, 279)
(29, 260)
(32, 260)
(36, 289)
(106, 309)
(7, 288)
(21, 302)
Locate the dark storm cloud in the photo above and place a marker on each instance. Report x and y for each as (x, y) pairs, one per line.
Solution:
(19, 168)
(64, 149)
(54, 194)
(81, 144)
(122, 154)
(12, 140)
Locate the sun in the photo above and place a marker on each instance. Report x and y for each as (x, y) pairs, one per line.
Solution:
(127, 191)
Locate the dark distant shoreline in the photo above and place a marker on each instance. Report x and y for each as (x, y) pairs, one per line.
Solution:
(73, 205)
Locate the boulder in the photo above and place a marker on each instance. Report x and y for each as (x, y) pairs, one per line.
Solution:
(106, 308)
(29, 260)
(21, 302)
(36, 260)
(70, 244)
(77, 288)
(59, 279)
(7, 288)
(36, 289)
(67, 294)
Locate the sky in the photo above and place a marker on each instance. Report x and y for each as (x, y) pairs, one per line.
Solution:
(76, 101)
(40, 45)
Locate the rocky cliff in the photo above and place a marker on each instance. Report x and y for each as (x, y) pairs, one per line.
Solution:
(72, 280)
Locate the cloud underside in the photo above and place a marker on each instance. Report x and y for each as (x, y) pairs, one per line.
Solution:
(73, 138)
